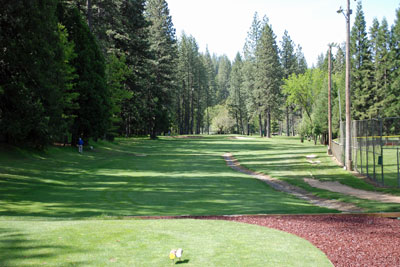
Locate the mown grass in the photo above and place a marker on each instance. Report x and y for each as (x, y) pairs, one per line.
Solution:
(55, 205)
(285, 158)
(148, 243)
(133, 177)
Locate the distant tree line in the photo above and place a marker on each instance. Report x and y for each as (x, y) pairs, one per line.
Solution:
(106, 68)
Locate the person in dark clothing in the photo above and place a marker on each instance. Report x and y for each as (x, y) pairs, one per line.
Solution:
(80, 145)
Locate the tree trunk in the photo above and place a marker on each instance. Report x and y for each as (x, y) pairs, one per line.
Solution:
(191, 110)
(241, 124)
(269, 124)
(261, 125)
(292, 124)
(287, 121)
(89, 14)
(237, 123)
(265, 127)
(153, 134)
(248, 125)
(198, 116)
(208, 118)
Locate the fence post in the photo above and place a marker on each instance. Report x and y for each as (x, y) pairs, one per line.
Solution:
(373, 149)
(398, 171)
(367, 147)
(381, 132)
(361, 146)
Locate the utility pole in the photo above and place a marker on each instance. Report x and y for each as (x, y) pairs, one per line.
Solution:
(348, 163)
(329, 101)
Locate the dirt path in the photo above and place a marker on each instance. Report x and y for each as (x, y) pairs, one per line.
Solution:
(293, 190)
(344, 189)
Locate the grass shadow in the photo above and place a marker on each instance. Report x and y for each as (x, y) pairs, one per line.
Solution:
(16, 246)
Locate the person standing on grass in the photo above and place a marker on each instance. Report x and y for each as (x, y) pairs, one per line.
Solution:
(80, 145)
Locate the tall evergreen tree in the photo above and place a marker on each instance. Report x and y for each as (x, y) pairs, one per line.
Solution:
(338, 88)
(122, 34)
(339, 62)
(380, 41)
(133, 40)
(190, 87)
(34, 73)
(301, 60)
(236, 101)
(163, 47)
(289, 66)
(222, 78)
(288, 56)
(117, 72)
(362, 69)
(268, 76)
(392, 98)
(253, 36)
(249, 70)
(210, 93)
(93, 118)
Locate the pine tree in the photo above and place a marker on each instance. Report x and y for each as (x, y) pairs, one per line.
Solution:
(66, 79)
(93, 116)
(235, 101)
(338, 88)
(253, 36)
(339, 62)
(249, 70)
(190, 89)
(289, 66)
(380, 41)
(35, 75)
(268, 76)
(163, 47)
(362, 69)
(301, 61)
(392, 98)
(222, 78)
(133, 40)
(288, 56)
(117, 72)
(210, 93)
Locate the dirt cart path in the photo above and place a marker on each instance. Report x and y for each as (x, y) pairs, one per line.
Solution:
(344, 189)
(293, 190)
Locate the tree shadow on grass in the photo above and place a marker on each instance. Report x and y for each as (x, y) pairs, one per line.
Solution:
(193, 180)
(17, 248)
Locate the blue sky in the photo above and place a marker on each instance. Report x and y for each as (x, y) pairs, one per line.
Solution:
(223, 24)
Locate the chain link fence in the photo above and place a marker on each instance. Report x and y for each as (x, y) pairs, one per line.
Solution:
(375, 149)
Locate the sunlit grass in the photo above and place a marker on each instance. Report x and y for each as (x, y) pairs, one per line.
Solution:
(133, 177)
(148, 243)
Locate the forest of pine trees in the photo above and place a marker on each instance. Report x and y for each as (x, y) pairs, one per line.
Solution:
(107, 68)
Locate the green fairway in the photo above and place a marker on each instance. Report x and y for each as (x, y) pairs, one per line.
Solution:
(60, 207)
(148, 243)
(139, 177)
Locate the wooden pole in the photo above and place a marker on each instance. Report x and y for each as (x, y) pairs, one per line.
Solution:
(349, 164)
(329, 101)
